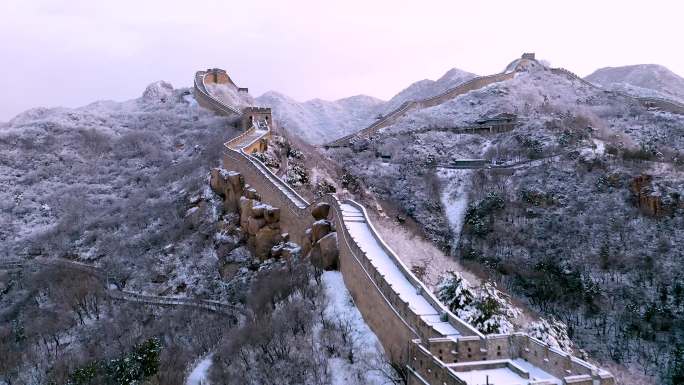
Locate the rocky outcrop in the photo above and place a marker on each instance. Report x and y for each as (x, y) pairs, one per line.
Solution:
(655, 199)
(259, 222)
(320, 244)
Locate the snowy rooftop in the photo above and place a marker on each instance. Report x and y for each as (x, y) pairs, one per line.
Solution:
(508, 372)
(362, 234)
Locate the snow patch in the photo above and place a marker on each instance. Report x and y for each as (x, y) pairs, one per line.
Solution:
(369, 351)
(200, 373)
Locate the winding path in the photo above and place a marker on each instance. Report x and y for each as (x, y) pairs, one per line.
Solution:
(124, 295)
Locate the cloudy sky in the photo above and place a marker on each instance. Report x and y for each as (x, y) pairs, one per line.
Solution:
(72, 52)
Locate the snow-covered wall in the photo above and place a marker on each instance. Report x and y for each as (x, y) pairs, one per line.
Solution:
(401, 311)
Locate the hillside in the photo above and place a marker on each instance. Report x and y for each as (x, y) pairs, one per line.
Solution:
(108, 223)
(641, 80)
(568, 224)
(318, 121)
(426, 88)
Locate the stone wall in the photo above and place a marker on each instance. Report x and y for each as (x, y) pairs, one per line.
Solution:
(253, 114)
(407, 339)
(451, 93)
(205, 100)
(218, 76)
(391, 329)
(389, 317)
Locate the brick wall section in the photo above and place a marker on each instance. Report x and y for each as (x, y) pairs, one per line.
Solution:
(205, 100)
(371, 296)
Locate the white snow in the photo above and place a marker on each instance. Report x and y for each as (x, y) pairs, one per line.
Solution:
(362, 234)
(368, 348)
(494, 376)
(228, 94)
(648, 80)
(535, 372)
(454, 199)
(199, 373)
(505, 375)
(318, 121)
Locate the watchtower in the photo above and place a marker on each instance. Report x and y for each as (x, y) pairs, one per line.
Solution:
(219, 76)
(250, 115)
(528, 56)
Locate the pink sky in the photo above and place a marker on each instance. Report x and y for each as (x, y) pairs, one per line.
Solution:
(73, 52)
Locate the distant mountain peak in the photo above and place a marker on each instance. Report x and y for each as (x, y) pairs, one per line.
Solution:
(641, 79)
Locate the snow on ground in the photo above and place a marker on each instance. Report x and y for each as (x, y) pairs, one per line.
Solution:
(507, 376)
(369, 351)
(229, 94)
(419, 254)
(318, 121)
(641, 80)
(199, 374)
(426, 88)
(454, 198)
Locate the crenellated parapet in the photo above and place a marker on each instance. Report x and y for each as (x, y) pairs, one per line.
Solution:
(250, 115)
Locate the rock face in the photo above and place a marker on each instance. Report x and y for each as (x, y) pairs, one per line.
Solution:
(320, 245)
(656, 199)
(160, 91)
(259, 222)
(321, 211)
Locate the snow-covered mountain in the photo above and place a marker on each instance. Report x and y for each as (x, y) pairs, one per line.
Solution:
(426, 88)
(567, 170)
(642, 80)
(318, 121)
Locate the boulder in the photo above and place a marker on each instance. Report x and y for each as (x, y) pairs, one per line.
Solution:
(254, 225)
(264, 241)
(307, 243)
(291, 250)
(217, 181)
(258, 210)
(252, 194)
(272, 214)
(329, 253)
(320, 229)
(321, 211)
(231, 200)
(236, 181)
(245, 211)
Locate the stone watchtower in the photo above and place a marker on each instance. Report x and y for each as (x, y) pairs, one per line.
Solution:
(250, 115)
(219, 76)
(528, 56)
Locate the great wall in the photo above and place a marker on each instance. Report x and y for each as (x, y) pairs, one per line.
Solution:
(483, 81)
(417, 332)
